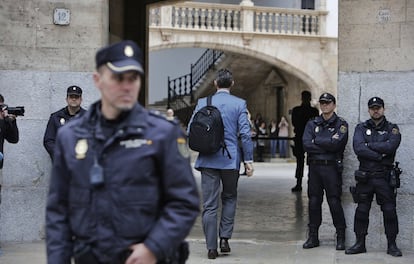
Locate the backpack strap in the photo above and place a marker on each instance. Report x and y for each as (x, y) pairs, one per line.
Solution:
(209, 99)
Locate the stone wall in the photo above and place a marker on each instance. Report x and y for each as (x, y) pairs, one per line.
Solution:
(376, 39)
(38, 61)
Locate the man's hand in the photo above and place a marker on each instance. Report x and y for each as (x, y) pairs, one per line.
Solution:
(141, 255)
(249, 169)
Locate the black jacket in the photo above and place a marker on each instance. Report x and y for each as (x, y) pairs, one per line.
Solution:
(318, 141)
(376, 146)
(148, 193)
(9, 132)
(56, 120)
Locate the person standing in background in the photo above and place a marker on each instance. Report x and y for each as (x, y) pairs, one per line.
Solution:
(300, 116)
(283, 132)
(375, 143)
(273, 134)
(324, 141)
(8, 131)
(59, 118)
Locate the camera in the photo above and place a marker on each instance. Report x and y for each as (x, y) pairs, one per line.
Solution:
(17, 110)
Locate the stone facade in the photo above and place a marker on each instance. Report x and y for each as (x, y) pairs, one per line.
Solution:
(376, 40)
(40, 59)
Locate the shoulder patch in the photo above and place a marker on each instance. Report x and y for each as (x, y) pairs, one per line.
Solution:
(343, 129)
(183, 147)
(395, 131)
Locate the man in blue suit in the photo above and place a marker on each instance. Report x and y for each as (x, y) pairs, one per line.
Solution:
(222, 168)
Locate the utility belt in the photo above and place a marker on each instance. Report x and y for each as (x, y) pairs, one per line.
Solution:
(364, 176)
(84, 255)
(321, 162)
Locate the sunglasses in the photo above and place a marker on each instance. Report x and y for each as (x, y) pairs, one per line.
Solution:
(74, 96)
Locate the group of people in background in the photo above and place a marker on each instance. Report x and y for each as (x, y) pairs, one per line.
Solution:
(274, 136)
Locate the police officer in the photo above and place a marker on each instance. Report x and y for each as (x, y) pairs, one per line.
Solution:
(375, 143)
(59, 118)
(122, 188)
(324, 141)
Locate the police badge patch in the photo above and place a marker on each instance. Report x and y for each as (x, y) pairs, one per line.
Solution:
(343, 129)
(395, 131)
(183, 147)
(81, 148)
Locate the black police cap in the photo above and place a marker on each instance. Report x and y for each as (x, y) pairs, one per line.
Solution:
(327, 97)
(73, 89)
(121, 57)
(375, 101)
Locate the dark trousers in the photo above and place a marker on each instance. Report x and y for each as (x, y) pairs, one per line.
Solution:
(385, 197)
(325, 178)
(300, 158)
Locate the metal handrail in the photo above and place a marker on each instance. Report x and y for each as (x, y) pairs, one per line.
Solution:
(183, 86)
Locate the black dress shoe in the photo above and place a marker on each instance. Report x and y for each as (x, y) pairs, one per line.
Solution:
(212, 254)
(297, 188)
(224, 245)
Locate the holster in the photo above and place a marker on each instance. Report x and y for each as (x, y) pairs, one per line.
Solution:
(354, 194)
(83, 254)
(361, 176)
(394, 178)
(180, 256)
(339, 166)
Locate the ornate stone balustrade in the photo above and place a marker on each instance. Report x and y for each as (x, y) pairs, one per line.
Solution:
(238, 18)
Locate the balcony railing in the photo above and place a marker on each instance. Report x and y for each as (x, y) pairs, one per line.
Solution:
(237, 18)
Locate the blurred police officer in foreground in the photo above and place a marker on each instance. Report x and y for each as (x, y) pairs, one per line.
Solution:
(324, 140)
(375, 143)
(59, 118)
(8, 131)
(122, 188)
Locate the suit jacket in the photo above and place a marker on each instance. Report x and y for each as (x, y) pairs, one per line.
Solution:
(236, 126)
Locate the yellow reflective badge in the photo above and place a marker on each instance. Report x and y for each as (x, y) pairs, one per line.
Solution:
(183, 147)
(343, 129)
(395, 131)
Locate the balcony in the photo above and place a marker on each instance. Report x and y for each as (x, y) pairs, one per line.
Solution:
(245, 20)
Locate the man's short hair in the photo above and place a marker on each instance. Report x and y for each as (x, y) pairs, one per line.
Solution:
(224, 78)
(1, 99)
(306, 96)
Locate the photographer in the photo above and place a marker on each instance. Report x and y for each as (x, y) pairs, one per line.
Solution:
(8, 131)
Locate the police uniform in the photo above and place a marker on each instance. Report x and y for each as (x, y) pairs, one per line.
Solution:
(119, 182)
(376, 146)
(324, 157)
(56, 120)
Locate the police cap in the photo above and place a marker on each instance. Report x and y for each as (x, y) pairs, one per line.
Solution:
(121, 57)
(327, 97)
(375, 101)
(73, 89)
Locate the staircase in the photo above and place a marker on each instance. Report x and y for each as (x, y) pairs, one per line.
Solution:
(182, 90)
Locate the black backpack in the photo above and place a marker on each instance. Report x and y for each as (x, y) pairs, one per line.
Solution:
(206, 133)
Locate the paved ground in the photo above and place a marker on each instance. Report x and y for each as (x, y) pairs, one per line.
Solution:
(270, 228)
